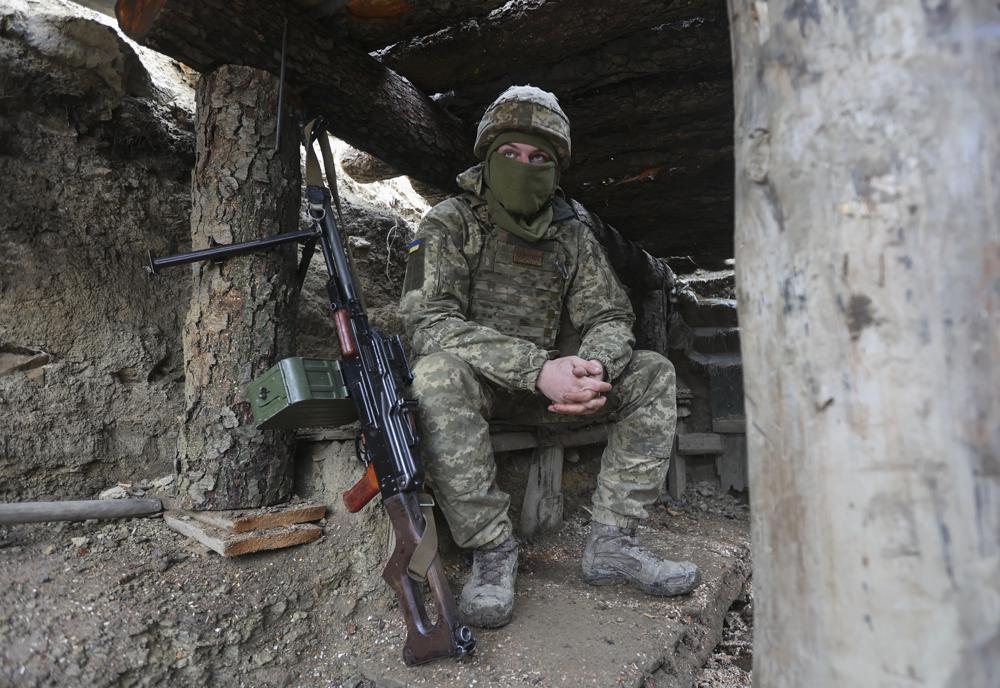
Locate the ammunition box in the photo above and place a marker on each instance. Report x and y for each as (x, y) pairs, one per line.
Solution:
(301, 393)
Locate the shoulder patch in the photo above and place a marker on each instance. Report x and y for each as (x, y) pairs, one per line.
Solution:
(414, 278)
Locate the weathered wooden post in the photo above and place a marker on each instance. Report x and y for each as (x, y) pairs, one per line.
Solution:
(242, 311)
(868, 275)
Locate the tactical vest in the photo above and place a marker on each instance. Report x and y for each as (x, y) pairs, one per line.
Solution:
(518, 287)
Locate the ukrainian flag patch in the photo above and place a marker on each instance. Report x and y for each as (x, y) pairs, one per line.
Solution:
(414, 266)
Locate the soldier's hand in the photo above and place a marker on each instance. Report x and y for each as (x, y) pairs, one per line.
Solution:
(572, 386)
(591, 368)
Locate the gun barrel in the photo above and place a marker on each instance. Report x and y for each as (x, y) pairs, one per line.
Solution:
(223, 251)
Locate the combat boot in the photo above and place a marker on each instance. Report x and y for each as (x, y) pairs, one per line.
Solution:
(487, 600)
(613, 555)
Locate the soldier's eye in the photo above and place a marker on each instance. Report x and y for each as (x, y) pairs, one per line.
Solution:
(509, 153)
(539, 158)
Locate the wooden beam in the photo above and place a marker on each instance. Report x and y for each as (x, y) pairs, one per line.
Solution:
(693, 443)
(367, 104)
(510, 38)
(375, 24)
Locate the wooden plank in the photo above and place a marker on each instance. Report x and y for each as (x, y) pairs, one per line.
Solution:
(542, 509)
(676, 473)
(731, 465)
(512, 441)
(247, 520)
(730, 426)
(234, 544)
(699, 443)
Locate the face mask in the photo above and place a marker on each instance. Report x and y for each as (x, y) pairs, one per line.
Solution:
(517, 193)
(522, 188)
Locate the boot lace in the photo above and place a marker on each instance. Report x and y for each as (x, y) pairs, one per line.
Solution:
(493, 564)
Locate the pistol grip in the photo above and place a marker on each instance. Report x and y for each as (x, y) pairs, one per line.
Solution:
(363, 491)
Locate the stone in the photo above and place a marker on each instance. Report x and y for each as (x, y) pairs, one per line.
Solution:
(162, 483)
(116, 492)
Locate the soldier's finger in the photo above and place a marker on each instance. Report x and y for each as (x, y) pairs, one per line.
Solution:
(580, 395)
(581, 409)
(571, 409)
(595, 384)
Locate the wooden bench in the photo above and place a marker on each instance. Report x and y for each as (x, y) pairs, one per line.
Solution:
(542, 508)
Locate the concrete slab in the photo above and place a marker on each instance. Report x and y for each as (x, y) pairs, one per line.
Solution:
(568, 633)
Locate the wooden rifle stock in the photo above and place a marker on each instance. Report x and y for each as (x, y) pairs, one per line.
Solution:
(363, 491)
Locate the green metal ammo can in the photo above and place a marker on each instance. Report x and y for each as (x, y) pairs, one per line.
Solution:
(301, 393)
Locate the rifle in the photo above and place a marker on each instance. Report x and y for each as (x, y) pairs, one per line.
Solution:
(373, 366)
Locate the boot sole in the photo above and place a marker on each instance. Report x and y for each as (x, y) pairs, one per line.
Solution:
(612, 578)
(480, 620)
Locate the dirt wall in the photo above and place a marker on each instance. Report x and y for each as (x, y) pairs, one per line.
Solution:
(95, 159)
(96, 152)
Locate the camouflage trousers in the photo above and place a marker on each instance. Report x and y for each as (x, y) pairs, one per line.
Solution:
(457, 405)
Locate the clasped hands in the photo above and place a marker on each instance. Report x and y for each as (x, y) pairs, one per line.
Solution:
(574, 385)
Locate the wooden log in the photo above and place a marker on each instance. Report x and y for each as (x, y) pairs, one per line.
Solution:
(365, 168)
(868, 281)
(375, 24)
(680, 53)
(234, 544)
(36, 512)
(508, 39)
(240, 321)
(367, 104)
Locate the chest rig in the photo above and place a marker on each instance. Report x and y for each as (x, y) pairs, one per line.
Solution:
(518, 287)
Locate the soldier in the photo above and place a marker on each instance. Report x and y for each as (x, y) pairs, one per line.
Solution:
(515, 314)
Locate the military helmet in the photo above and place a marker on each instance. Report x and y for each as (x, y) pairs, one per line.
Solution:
(528, 109)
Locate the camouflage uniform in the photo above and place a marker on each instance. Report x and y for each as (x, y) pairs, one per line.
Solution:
(484, 310)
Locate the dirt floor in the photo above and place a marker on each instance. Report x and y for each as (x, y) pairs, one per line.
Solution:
(131, 603)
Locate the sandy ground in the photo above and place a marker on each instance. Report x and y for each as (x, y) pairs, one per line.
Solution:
(131, 603)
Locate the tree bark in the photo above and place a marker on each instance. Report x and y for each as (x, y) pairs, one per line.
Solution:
(366, 104)
(377, 23)
(509, 40)
(868, 272)
(365, 168)
(242, 311)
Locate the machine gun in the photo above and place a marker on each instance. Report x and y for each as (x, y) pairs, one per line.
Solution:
(373, 366)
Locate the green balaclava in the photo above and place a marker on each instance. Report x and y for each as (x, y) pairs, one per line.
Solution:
(518, 194)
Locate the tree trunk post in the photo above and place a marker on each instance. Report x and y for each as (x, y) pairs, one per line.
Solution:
(868, 278)
(242, 311)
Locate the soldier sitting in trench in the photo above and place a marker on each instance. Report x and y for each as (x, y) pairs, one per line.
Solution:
(490, 277)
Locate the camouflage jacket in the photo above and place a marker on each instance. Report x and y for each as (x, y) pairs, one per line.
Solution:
(442, 269)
